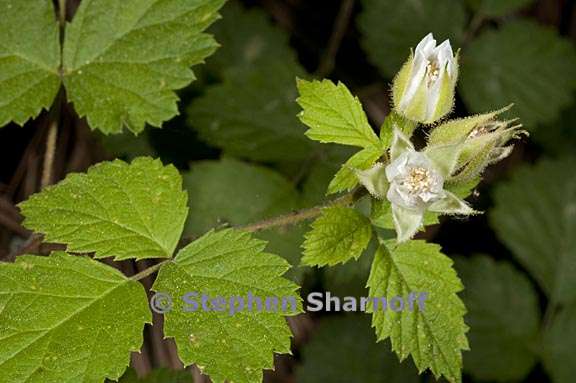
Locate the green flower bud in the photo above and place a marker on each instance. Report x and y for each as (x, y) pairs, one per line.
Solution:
(423, 90)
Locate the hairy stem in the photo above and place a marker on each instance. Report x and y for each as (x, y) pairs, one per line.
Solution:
(49, 154)
(282, 220)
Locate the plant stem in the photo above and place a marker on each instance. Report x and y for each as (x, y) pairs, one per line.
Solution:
(49, 154)
(283, 220)
(62, 12)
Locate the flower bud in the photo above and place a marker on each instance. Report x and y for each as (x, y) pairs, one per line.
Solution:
(423, 90)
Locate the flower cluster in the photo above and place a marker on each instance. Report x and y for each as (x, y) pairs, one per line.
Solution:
(457, 151)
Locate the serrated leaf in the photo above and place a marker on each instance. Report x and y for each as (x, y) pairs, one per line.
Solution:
(497, 8)
(248, 39)
(559, 341)
(343, 349)
(346, 179)
(123, 61)
(227, 263)
(436, 335)
(521, 63)
(333, 114)
(161, 375)
(391, 27)
(29, 59)
(116, 210)
(253, 115)
(338, 235)
(230, 192)
(535, 216)
(66, 318)
(496, 295)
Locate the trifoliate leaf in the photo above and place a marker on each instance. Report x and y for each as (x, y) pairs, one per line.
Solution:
(535, 216)
(30, 57)
(66, 318)
(338, 235)
(230, 192)
(122, 64)
(559, 343)
(116, 210)
(253, 115)
(333, 114)
(435, 334)
(521, 63)
(496, 296)
(391, 27)
(496, 8)
(343, 349)
(248, 39)
(346, 178)
(234, 347)
(161, 375)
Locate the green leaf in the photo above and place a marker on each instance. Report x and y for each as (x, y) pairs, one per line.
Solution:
(535, 217)
(230, 192)
(228, 264)
(436, 335)
(333, 114)
(559, 344)
(122, 64)
(502, 348)
(346, 179)
(65, 318)
(391, 27)
(161, 375)
(338, 235)
(29, 59)
(253, 115)
(117, 209)
(523, 63)
(343, 349)
(248, 39)
(497, 8)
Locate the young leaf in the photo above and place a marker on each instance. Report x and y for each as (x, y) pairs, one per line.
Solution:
(535, 217)
(333, 114)
(117, 209)
(338, 235)
(343, 349)
(496, 295)
(434, 335)
(65, 318)
(523, 63)
(391, 27)
(234, 347)
(122, 64)
(346, 179)
(29, 59)
(559, 343)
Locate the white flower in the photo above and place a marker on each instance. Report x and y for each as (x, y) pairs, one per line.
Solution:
(414, 183)
(424, 87)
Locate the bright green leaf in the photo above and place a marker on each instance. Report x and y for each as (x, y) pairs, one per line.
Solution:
(535, 216)
(343, 350)
(496, 295)
(346, 179)
(123, 61)
(333, 114)
(116, 210)
(392, 27)
(29, 59)
(434, 335)
(338, 235)
(67, 318)
(228, 264)
(521, 63)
